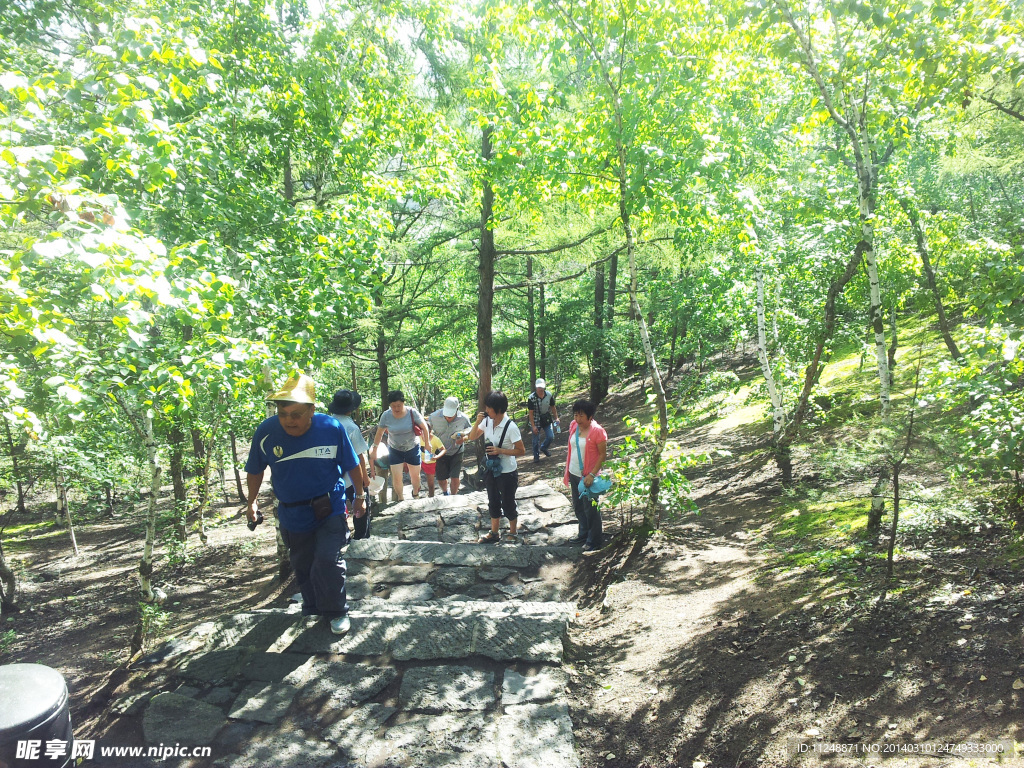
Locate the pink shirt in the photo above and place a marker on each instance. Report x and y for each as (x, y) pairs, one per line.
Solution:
(590, 453)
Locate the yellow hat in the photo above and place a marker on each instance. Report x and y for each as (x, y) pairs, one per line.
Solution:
(298, 389)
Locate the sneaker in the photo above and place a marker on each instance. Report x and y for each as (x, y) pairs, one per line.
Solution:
(590, 548)
(491, 538)
(536, 459)
(547, 453)
(341, 625)
(579, 540)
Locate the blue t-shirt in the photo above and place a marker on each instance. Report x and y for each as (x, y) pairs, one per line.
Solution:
(303, 467)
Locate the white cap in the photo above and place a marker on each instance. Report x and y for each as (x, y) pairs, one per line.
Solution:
(451, 406)
(541, 384)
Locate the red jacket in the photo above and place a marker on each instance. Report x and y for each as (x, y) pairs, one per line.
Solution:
(590, 453)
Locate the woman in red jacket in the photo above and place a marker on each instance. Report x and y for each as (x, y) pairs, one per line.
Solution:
(588, 449)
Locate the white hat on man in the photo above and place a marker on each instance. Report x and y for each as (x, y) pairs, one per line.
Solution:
(451, 406)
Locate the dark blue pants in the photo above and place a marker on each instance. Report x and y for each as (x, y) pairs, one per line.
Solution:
(319, 567)
(362, 524)
(542, 440)
(587, 513)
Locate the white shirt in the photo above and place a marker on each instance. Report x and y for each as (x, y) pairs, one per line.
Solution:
(493, 432)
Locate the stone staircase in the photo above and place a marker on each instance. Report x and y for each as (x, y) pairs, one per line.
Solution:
(454, 657)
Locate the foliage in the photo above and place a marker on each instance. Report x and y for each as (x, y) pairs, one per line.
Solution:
(632, 470)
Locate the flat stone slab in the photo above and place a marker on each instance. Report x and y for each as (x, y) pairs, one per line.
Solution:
(537, 490)
(447, 689)
(356, 733)
(291, 748)
(511, 590)
(263, 702)
(448, 630)
(447, 740)
(536, 736)
(346, 684)
(402, 574)
(412, 593)
(453, 579)
(545, 685)
(290, 668)
(496, 574)
(419, 519)
(358, 587)
(521, 556)
(226, 631)
(460, 534)
(552, 502)
(174, 719)
(372, 548)
(217, 665)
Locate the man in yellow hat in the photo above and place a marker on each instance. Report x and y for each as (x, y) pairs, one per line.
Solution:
(308, 454)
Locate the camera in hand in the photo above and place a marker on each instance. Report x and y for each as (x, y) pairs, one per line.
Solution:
(253, 523)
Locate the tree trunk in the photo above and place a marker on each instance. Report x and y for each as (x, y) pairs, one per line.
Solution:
(774, 395)
(289, 182)
(531, 321)
(613, 274)
(485, 302)
(198, 449)
(929, 274)
(878, 492)
(177, 442)
(144, 429)
(204, 497)
(65, 505)
(651, 511)
(891, 357)
(599, 362)
(783, 452)
(866, 206)
(382, 355)
(58, 495)
(234, 464)
(543, 337)
(8, 584)
(16, 452)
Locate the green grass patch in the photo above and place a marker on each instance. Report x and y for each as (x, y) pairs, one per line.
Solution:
(826, 535)
(13, 532)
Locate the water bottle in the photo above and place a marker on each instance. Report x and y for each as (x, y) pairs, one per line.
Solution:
(558, 425)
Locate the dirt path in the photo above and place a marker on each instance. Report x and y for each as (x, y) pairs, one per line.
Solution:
(698, 650)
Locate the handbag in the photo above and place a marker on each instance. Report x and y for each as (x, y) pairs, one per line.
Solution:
(599, 484)
(493, 463)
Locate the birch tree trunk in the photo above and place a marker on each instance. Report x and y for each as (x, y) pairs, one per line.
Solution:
(651, 511)
(867, 213)
(778, 413)
(234, 465)
(65, 506)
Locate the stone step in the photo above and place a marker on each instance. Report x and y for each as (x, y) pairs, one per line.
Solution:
(544, 514)
(526, 631)
(441, 553)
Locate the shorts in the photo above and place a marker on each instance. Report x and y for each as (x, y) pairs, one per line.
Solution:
(450, 466)
(429, 468)
(410, 457)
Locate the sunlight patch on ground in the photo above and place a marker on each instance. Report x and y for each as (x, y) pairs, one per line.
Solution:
(838, 369)
(748, 414)
(735, 410)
